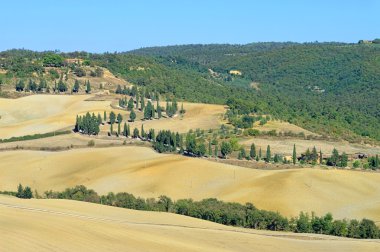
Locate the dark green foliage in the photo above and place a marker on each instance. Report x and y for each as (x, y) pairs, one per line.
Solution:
(268, 156)
(87, 124)
(337, 160)
(368, 229)
(227, 213)
(32, 86)
(252, 152)
(76, 86)
(88, 87)
(374, 162)
(166, 141)
(130, 104)
(194, 146)
(119, 118)
(305, 84)
(52, 60)
(24, 193)
(136, 133)
(132, 116)
(20, 85)
(242, 154)
(112, 117)
(149, 111)
(226, 149)
(35, 136)
(294, 156)
(62, 87)
(42, 86)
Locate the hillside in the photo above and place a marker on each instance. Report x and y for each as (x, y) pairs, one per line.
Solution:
(145, 173)
(327, 88)
(45, 225)
(331, 88)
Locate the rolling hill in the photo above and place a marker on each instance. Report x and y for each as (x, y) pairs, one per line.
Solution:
(61, 225)
(145, 173)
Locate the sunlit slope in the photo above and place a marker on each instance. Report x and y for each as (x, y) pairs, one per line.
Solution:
(46, 113)
(61, 225)
(141, 171)
(43, 113)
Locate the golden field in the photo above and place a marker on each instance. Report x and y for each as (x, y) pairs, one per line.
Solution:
(61, 225)
(143, 172)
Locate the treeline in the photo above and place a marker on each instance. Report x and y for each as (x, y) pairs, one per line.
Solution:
(43, 87)
(233, 214)
(35, 136)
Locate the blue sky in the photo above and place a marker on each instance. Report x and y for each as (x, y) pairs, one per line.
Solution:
(99, 26)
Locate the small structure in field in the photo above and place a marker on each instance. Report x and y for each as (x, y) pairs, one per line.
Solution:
(235, 72)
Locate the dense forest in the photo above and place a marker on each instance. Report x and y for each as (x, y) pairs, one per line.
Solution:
(329, 88)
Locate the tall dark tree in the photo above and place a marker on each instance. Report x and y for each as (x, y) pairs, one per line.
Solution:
(136, 133)
(112, 117)
(268, 155)
(252, 152)
(76, 86)
(294, 156)
(130, 104)
(132, 116)
(119, 118)
(88, 87)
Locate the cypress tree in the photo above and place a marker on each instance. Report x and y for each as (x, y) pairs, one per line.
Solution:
(314, 155)
(132, 116)
(128, 130)
(159, 112)
(135, 133)
(20, 191)
(125, 133)
(130, 104)
(118, 128)
(142, 131)
(268, 155)
(137, 100)
(142, 101)
(252, 152)
(105, 116)
(320, 157)
(88, 88)
(112, 117)
(216, 151)
(294, 154)
(260, 154)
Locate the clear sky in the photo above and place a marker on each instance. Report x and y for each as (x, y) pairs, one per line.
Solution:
(111, 25)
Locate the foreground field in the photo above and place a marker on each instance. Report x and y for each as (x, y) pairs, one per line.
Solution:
(143, 172)
(60, 225)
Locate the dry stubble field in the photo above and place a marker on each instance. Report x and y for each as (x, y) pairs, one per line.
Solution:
(143, 172)
(61, 225)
